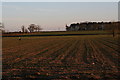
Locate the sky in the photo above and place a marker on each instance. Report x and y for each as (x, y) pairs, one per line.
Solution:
(55, 15)
(60, 0)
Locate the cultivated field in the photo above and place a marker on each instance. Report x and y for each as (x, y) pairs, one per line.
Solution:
(62, 57)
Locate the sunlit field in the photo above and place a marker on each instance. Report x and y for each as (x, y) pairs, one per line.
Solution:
(62, 57)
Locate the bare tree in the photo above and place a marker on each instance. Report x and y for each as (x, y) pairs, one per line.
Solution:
(23, 29)
(34, 28)
(31, 27)
(26, 30)
(2, 27)
(38, 28)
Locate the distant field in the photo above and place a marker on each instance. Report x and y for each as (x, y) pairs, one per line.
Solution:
(59, 33)
(94, 57)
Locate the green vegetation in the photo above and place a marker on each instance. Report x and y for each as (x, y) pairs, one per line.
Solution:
(59, 33)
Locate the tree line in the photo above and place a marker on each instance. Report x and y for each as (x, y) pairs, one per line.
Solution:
(93, 26)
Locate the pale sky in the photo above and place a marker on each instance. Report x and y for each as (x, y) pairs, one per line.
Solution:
(55, 15)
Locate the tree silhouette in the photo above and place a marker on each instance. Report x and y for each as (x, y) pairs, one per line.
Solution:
(31, 27)
(23, 29)
(34, 28)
